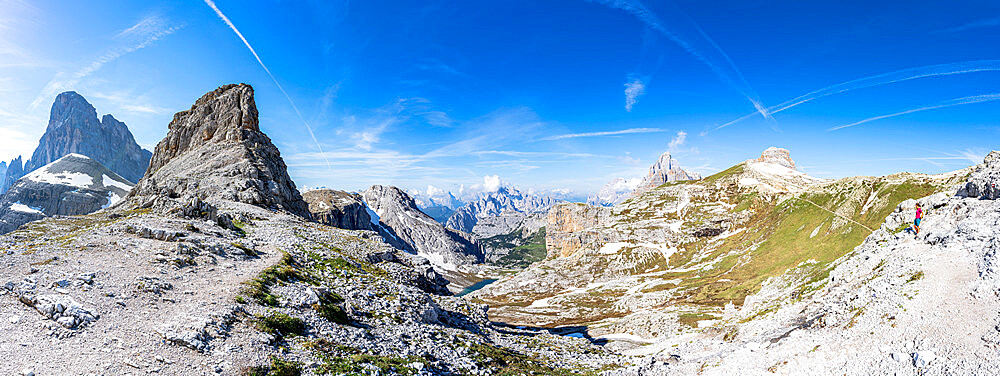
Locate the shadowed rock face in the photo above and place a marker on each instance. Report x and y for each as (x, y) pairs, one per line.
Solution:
(72, 185)
(74, 128)
(339, 209)
(398, 213)
(216, 151)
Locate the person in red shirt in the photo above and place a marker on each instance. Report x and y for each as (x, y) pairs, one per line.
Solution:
(916, 222)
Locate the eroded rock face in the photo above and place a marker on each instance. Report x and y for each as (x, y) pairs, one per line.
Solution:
(72, 185)
(74, 128)
(397, 213)
(339, 209)
(573, 226)
(777, 156)
(985, 181)
(216, 151)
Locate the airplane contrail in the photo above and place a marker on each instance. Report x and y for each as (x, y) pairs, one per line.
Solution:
(294, 107)
(947, 103)
(712, 55)
(881, 79)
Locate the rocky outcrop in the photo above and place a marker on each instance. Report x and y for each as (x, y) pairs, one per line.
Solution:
(985, 180)
(777, 156)
(74, 128)
(665, 170)
(397, 213)
(489, 204)
(339, 209)
(72, 185)
(216, 151)
(614, 192)
(14, 171)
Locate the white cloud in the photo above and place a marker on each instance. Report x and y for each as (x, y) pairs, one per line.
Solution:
(677, 141)
(434, 191)
(139, 36)
(601, 134)
(14, 143)
(633, 90)
(491, 183)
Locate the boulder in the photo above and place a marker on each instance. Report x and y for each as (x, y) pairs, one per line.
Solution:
(984, 183)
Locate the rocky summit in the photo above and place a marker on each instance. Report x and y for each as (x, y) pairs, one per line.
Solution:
(75, 128)
(665, 170)
(216, 151)
(339, 209)
(71, 185)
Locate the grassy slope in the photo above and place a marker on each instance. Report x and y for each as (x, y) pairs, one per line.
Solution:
(525, 249)
(779, 236)
(785, 235)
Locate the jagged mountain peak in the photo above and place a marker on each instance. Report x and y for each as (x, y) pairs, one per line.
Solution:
(216, 151)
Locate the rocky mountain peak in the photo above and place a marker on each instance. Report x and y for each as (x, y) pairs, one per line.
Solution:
(74, 128)
(777, 156)
(71, 108)
(665, 170)
(216, 151)
(503, 200)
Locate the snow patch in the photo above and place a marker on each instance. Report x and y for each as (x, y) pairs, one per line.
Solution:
(18, 206)
(75, 179)
(612, 248)
(108, 182)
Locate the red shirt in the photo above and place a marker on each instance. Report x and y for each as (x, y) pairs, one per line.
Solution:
(920, 213)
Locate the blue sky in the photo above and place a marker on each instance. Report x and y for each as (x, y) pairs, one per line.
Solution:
(546, 95)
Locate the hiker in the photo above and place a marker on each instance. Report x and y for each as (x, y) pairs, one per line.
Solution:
(916, 222)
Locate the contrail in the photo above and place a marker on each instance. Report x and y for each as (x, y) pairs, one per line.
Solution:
(294, 107)
(713, 56)
(881, 79)
(947, 103)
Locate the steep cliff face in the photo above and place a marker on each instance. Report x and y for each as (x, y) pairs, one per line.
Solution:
(571, 226)
(72, 185)
(216, 151)
(74, 128)
(339, 209)
(15, 170)
(396, 212)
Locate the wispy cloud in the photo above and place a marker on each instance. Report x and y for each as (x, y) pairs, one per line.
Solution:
(229, 23)
(677, 141)
(633, 90)
(130, 102)
(602, 134)
(136, 37)
(683, 31)
(943, 104)
(881, 79)
(987, 22)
